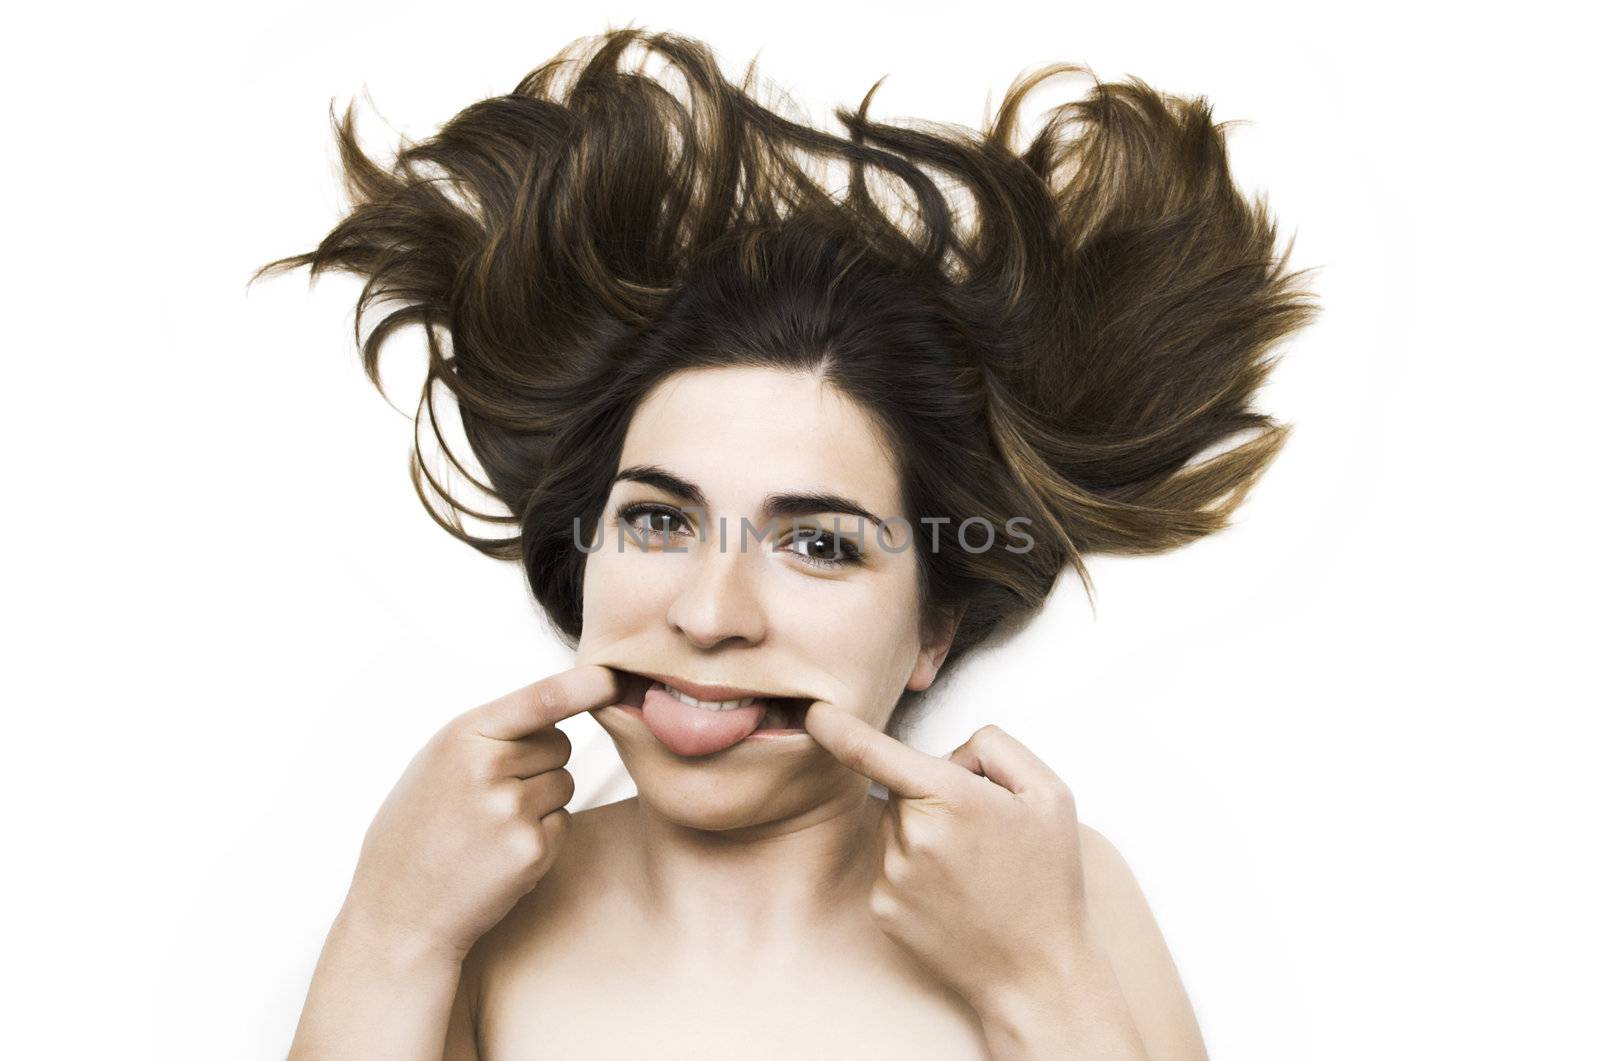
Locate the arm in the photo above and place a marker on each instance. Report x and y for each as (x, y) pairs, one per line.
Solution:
(1071, 1010)
(461, 1037)
(1132, 941)
(1126, 1002)
(476, 820)
(374, 994)
(987, 877)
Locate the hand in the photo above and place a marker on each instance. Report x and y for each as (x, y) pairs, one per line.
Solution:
(981, 878)
(476, 820)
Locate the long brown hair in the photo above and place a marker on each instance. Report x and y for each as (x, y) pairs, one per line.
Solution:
(1059, 350)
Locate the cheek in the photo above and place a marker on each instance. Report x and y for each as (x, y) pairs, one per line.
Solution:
(622, 591)
(866, 636)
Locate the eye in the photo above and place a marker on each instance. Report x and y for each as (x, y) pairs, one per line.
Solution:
(653, 521)
(828, 550)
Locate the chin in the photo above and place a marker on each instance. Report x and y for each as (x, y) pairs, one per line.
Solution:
(699, 803)
(734, 789)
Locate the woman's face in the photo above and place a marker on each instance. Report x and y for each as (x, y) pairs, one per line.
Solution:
(776, 614)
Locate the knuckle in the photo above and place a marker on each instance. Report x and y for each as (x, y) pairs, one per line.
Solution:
(916, 838)
(549, 746)
(504, 803)
(552, 830)
(557, 826)
(555, 787)
(896, 868)
(881, 902)
(465, 727)
(547, 692)
(448, 746)
(485, 766)
(460, 746)
(560, 742)
(530, 844)
(854, 752)
(460, 726)
(1059, 799)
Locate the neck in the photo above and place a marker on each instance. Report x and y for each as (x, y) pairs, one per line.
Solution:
(758, 889)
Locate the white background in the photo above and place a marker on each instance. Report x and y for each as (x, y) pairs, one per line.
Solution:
(1347, 745)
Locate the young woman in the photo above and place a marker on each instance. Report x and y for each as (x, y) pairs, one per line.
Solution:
(775, 455)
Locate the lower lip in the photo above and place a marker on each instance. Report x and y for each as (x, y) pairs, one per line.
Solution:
(760, 734)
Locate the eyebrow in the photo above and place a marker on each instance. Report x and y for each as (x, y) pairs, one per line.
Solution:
(777, 505)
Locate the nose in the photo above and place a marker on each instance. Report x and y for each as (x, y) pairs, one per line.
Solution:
(719, 599)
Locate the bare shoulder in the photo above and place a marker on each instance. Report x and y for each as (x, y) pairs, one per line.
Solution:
(1122, 923)
(543, 926)
(596, 830)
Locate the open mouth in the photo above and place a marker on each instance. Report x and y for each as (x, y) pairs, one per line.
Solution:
(784, 712)
(778, 713)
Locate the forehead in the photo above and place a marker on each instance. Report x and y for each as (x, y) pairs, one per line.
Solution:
(742, 432)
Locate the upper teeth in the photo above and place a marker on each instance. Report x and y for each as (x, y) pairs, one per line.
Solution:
(709, 705)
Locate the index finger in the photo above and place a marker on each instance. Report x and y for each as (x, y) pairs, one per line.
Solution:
(993, 753)
(872, 753)
(548, 701)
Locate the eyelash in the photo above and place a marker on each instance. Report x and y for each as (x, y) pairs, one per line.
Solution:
(849, 554)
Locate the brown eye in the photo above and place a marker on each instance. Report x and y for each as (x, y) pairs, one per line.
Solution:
(820, 548)
(654, 520)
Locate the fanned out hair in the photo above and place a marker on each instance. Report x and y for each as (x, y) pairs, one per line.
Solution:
(1061, 347)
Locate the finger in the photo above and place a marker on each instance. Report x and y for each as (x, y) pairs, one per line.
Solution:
(997, 755)
(556, 825)
(548, 792)
(530, 756)
(548, 701)
(872, 753)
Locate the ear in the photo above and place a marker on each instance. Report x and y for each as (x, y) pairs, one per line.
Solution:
(934, 649)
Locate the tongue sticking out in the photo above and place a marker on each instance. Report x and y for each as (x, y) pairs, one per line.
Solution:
(690, 730)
